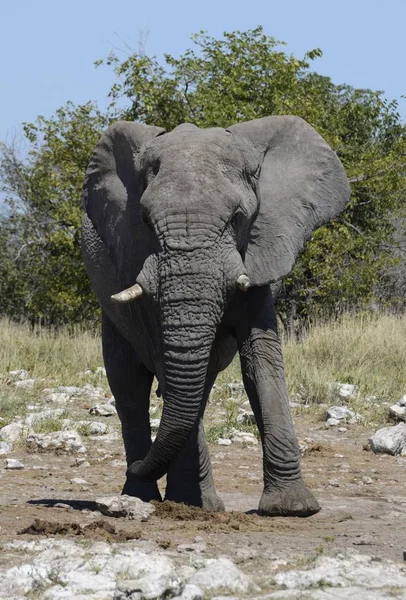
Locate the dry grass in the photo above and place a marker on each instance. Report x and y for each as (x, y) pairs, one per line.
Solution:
(367, 350)
(57, 356)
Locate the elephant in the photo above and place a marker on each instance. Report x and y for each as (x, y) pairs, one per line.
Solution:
(183, 232)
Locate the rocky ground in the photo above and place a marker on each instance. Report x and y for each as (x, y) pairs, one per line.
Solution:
(62, 462)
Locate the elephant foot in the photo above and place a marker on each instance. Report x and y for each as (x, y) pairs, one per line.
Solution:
(294, 500)
(194, 496)
(144, 491)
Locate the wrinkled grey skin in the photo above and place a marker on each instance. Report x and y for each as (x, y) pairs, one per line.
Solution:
(184, 214)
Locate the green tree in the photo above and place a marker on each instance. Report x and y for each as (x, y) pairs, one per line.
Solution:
(43, 274)
(242, 76)
(247, 75)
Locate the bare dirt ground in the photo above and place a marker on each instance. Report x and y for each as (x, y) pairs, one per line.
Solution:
(363, 498)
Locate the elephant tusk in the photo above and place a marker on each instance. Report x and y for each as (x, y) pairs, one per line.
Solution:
(131, 293)
(243, 283)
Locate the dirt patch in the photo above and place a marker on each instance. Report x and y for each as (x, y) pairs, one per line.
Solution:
(98, 530)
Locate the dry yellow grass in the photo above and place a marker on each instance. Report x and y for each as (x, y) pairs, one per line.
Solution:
(368, 350)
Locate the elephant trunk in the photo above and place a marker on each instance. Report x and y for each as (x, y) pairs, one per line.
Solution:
(191, 306)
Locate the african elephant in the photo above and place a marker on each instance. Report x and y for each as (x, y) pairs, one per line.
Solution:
(183, 232)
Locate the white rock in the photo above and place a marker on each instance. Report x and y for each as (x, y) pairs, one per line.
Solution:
(243, 437)
(340, 413)
(125, 506)
(60, 442)
(303, 447)
(224, 442)
(71, 390)
(344, 390)
(57, 397)
(334, 482)
(5, 448)
(79, 481)
(52, 413)
(389, 440)
(93, 392)
(101, 371)
(103, 410)
(94, 427)
(12, 464)
(402, 401)
(25, 384)
(12, 432)
(342, 429)
(398, 411)
(357, 570)
(246, 418)
(332, 422)
(18, 375)
(190, 592)
(221, 573)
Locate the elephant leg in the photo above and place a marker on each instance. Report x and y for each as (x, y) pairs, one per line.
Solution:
(190, 478)
(130, 383)
(285, 493)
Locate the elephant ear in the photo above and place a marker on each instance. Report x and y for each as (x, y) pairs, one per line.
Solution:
(301, 185)
(112, 191)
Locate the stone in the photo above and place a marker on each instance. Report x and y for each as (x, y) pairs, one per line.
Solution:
(60, 442)
(103, 410)
(398, 411)
(25, 384)
(128, 507)
(389, 440)
(243, 437)
(221, 573)
(342, 429)
(303, 447)
(19, 375)
(12, 464)
(246, 418)
(190, 592)
(71, 390)
(52, 413)
(57, 397)
(332, 422)
(94, 427)
(5, 448)
(340, 413)
(224, 442)
(355, 571)
(402, 401)
(344, 390)
(334, 482)
(12, 432)
(79, 481)
(366, 480)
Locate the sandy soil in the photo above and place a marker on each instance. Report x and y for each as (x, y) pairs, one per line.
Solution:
(364, 507)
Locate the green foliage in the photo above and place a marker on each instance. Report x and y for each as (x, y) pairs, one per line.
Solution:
(43, 274)
(247, 75)
(242, 76)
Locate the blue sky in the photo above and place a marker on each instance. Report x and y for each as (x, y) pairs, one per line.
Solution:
(48, 47)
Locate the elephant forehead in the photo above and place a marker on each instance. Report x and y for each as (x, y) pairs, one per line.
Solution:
(188, 146)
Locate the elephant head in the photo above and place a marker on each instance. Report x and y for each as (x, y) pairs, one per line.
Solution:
(191, 218)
